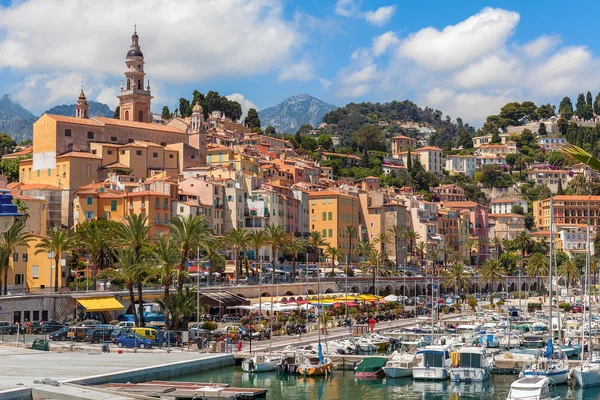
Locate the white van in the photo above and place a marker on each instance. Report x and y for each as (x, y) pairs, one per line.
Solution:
(124, 324)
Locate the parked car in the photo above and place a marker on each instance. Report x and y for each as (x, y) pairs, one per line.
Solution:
(7, 328)
(149, 333)
(173, 338)
(125, 324)
(576, 308)
(118, 332)
(133, 340)
(45, 327)
(96, 335)
(60, 334)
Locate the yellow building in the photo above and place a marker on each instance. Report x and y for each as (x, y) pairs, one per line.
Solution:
(402, 143)
(29, 272)
(330, 213)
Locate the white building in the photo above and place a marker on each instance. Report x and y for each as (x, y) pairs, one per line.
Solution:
(504, 206)
(466, 165)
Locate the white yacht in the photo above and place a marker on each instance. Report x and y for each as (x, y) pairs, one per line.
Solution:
(434, 363)
(587, 374)
(528, 388)
(475, 365)
(401, 365)
(260, 363)
(554, 366)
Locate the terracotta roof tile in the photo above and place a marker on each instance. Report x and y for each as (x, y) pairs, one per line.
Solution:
(138, 125)
(73, 120)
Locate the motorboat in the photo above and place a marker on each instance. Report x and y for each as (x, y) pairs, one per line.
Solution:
(434, 363)
(587, 374)
(261, 363)
(370, 368)
(289, 363)
(474, 365)
(534, 387)
(315, 366)
(366, 345)
(401, 365)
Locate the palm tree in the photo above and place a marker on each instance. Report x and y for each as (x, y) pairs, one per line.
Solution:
(127, 272)
(332, 253)
(375, 259)
(537, 265)
(383, 238)
(365, 249)
(397, 233)
(470, 244)
(434, 256)
(97, 241)
(351, 231)
(59, 241)
(238, 239)
(523, 242)
(491, 272)
(134, 234)
(447, 252)
(412, 238)
(294, 246)
(275, 237)
(256, 241)
(315, 241)
(569, 270)
(183, 306)
(457, 277)
(187, 233)
(420, 249)
(497, 243)
(482, 243)
(167, 257)
(210, 245)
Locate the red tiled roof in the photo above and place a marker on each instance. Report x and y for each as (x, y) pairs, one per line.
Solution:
(73, 120)
(138, 125)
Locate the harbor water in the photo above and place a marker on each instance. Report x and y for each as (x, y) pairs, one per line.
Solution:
(343, 386)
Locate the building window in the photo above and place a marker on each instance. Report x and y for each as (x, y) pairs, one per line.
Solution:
(113, 138)
(94, 151)
(331, 233)
(106, 215)
(138, 152)
(324, 232)
(89, 215)
(324, 216)
(171, 156)
(163, 144)
(15, 257)
(113, 205)
(108, 152)
(49, 173)
(141, 116)
(89, 200)
(90, 135)
(122, 152)
(35, 270)
(155, 155)
(330, 215)
(67, 132)
(38, 173)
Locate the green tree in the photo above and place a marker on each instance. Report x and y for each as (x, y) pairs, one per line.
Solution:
(211, 245)
(545, 111)
(127, 272)
(350, 231)
(187, 232)
(513, 113)
(383, 238)
(491, 273)
(10, 168)
(167, 257)
(252, 121)
(409, 161)
(464, 140)
(97, 240)
(333, 254)
(368, 137)
(542, 129)
(588, 99)
(537, 265)
(237, 239)
(597, 104)
(565, 109)
(270, 131)
(275, 237)
(560, 190)
(518, 209)
(117, 114)
(325, 141)
(7, 144)
(457, 278)
(397, 233)
(294, 246)
(496, 138)
(315, 241)
(580, 105)
(569, 270)
(57, 242)
(134, 233)
(166, 113)
(185, 108)
(529, 110)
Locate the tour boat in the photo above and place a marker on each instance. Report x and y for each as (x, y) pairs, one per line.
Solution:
(370, 368)
(401, 365)
(528, 388)
(260, 363)
(434, 363)
(475, 365)
(315, 366)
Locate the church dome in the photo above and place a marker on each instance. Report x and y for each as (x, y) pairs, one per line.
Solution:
(197, 107)
(135, 53)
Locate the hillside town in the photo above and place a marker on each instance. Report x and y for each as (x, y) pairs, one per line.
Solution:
(83, 168)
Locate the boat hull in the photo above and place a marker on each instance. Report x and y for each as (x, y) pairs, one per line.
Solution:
(430, 374)
(470, 374)
(395, 372)
(558, 377)
(315, 370)
(587, 375)
(258, 367)
(369, 375)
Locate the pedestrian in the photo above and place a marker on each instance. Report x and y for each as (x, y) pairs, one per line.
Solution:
(108, 286)
(28, 327)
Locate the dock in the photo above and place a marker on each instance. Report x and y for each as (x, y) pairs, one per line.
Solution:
(186, 390)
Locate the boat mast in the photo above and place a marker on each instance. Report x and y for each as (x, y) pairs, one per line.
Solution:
(551, 331)
(585, 285)
(589, 278)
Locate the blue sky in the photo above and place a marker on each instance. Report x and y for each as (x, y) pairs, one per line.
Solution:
(466, 58)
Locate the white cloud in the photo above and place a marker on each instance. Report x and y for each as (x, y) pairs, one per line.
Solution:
(383, 42)
(346, 8)
(325, 83)
(301, 71)
(381, 16)
(244, 102)
(540, 46)
(460, 44)
(494, 70)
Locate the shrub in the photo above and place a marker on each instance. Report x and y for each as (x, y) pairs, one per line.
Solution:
(209, 326)
(473, 303)
(565, 306)
(500, 304)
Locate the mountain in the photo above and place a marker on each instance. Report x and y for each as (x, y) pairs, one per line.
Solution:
(293, 112)
(15, 120)
(95, 110)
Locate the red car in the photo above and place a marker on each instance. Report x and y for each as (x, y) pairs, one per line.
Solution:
(576, 309)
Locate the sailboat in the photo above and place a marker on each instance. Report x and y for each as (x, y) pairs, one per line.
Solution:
(588, 373)
(551, 364)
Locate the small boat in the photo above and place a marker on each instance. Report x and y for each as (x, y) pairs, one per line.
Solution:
(568, 350)
(315, 366)
(289, 363)
(528, 388)
(475, 365)
(370, 368)
(434, 363)
(365, 345)
(401, 365)
(587, 374)
(260, 363)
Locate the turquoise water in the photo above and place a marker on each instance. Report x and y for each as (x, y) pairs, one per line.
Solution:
(342, 386)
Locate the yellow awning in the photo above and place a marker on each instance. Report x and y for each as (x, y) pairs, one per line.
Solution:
(93, 304)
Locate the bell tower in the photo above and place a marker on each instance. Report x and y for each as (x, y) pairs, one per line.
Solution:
(81, 108)
(134, 100)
